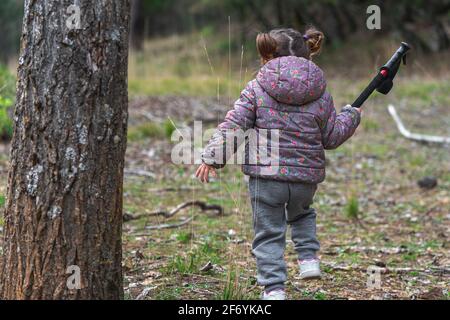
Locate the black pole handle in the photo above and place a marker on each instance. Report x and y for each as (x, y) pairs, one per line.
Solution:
(373, 85)
(386, 73)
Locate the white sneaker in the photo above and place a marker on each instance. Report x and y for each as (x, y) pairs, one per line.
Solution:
(277, 294)
(309, 269)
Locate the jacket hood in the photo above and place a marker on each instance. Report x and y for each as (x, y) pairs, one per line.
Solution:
(292, 80)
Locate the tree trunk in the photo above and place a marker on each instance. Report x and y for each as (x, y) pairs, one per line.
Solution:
(64, 198)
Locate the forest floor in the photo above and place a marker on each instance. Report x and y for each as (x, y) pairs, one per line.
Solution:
(371, 211)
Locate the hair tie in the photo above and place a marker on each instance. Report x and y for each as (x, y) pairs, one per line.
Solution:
(305, 37)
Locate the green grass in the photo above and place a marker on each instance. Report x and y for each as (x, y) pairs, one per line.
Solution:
(349, 257)
(189, 65)
(208, 249)
(318, 295)
(370, 125)
(2, 203)
(197, 86)
(410, 256)
(173, 293)
(184, 264)
(352, 208)
(425, 92)
(183, 237)
(151, 130)
(234, 288)
(417, 160)
(7, 92)
(375, 149)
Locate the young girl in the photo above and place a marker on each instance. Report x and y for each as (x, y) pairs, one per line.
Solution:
(288, 94)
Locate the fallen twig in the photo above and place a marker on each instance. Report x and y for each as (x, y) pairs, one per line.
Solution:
(167, 214)
(385, 250)
(170, 225)
(150, 116)
(386, 270)
(139, 173)
(173, 189)
(414, 136)
(145, 292)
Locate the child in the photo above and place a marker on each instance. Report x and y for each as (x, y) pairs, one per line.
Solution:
(288, 94)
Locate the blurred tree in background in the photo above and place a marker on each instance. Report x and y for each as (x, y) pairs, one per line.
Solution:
(424, 23)
(11, 13)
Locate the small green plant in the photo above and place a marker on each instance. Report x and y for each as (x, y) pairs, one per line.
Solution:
(320, 296)
(184, 264)
(410, 256)
(417, 160)
(184, 237)
(234, 289)
(352, 208)
(169, 128)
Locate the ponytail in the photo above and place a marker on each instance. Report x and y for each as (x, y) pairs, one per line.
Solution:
(289, 42)
(266, 45)
(314, 40)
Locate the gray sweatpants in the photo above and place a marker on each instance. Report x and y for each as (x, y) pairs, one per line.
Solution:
(276, 204)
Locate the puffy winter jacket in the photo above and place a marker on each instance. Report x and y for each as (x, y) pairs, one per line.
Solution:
(288, 94)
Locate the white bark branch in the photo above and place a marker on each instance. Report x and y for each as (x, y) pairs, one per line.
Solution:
(415, 136)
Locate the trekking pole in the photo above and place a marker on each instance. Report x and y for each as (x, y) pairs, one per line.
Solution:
(383, 81)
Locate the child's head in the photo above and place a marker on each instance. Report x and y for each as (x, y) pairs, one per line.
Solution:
(289, 42)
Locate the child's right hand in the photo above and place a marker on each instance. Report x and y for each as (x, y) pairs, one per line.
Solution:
(203, 172)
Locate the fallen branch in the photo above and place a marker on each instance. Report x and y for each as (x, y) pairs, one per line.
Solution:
(150, 116)
(164, 226)
(167, 214)
(173, 189)
(139, 173)
(384, 250)
(145, 293)
(414, 136)
(386, 270)
(170, 225)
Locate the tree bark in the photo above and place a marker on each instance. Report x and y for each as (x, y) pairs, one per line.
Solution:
(64, 198)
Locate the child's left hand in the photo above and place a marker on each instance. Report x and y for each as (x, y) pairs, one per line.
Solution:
(203, 172)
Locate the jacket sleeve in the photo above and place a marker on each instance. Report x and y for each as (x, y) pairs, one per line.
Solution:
(237, 121)
(339, 127)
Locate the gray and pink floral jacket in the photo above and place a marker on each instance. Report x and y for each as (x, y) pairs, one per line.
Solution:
(288, 94)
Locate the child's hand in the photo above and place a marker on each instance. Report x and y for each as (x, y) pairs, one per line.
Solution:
(203, 172)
